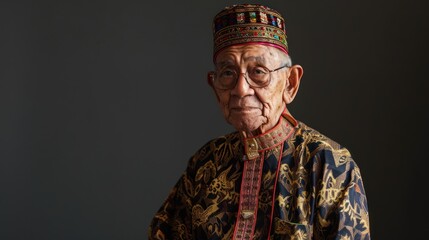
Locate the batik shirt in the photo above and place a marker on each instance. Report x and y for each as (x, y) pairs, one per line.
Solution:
(289, 183)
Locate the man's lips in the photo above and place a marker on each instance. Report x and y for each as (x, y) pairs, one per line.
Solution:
(244, 109)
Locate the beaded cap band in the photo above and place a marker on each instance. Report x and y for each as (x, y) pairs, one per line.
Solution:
(248, 23)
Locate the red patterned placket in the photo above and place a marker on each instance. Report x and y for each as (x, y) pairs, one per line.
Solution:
(249, 192)
(255, 149)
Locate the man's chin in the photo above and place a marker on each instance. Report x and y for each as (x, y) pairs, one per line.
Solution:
(248, 124)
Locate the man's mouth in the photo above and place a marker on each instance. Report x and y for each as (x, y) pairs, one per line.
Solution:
(244, 109)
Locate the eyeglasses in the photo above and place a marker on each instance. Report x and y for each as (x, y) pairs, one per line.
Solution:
(257, 77)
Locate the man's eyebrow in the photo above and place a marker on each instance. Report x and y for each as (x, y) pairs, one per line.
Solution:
(224, 63)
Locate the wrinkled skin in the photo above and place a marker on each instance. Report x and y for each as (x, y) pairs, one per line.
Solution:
(256, 110)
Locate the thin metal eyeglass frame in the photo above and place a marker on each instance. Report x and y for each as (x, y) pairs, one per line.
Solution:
(213, 74)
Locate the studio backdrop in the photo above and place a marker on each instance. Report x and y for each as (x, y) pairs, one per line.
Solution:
(102, 103)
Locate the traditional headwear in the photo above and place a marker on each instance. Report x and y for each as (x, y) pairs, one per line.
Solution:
(248, 23)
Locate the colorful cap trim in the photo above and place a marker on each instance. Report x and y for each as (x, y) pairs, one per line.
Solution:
(248, 23)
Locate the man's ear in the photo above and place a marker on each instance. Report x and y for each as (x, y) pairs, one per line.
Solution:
(292, 83)
(210, 78)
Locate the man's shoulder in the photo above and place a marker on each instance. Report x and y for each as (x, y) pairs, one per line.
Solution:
(225, 147)
(315, 143)
(309, 135)
(226, 140)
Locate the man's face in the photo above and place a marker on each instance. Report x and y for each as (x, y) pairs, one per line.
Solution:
(250, 108)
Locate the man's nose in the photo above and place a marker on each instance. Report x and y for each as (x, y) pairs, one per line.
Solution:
(242, 87)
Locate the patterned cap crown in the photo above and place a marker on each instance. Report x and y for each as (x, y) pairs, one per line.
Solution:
(248, 23)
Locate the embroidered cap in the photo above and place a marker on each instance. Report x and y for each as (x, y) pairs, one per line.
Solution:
(248, 23)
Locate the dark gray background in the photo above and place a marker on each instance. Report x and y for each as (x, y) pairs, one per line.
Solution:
(103, 102)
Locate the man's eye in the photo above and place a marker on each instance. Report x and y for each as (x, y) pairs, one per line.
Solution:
(227, 73)
(259, 71)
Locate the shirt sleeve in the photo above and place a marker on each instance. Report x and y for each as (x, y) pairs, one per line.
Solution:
(173, 219)
(343, 209)
(353, 217)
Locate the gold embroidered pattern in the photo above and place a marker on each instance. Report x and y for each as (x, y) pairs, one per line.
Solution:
(318, 194)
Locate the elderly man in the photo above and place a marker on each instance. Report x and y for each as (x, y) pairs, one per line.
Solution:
(275, 177)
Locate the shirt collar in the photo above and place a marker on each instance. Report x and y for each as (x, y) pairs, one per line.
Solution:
(270, 139)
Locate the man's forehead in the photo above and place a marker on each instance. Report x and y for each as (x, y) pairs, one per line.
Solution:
(229, 60)
(243, 53)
